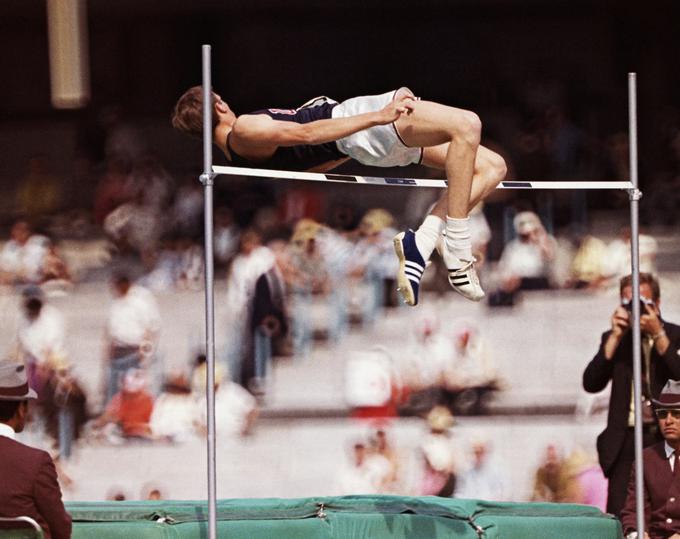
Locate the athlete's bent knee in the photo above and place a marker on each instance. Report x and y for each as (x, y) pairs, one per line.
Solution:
(498, 168)
(469, 128)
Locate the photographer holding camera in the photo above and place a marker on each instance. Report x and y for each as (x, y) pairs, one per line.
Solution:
(614, 361)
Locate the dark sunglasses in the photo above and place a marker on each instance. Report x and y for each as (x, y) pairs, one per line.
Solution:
(663, 414)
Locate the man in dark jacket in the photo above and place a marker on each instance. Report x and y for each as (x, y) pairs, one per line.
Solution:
(614, 361)
(28, 479)
(661, 464)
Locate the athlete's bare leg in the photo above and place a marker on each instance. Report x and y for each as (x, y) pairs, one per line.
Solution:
(431, 124)
(489, 171)
(451, 138)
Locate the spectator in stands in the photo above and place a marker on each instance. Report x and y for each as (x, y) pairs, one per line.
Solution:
(165, 273)
(250, 264)
(308, 277)
(588, 266)
(133, 328)
(116, 494)
(28, 479)
(613, 361)
(174, 411)
(63, 404)
(661, 474)
(381, 445)
(471, 364)
(440, 458)
(373, 262)
(152, 491)
(137, 225)
(23, 256)
(583, 481)
(236, 410)
(334, 252)
(41, 337)
(55, 271)
(425, 360)
(190, 268)
(484, 479)
(548, 485)
(526, 261)
(267, 319)
(130, 409)
(199, 374)
(366, 473)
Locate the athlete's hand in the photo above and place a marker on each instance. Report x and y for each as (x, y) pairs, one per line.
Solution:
(394, 109)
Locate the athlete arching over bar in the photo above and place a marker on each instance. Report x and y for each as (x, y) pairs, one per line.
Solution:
(392, 129)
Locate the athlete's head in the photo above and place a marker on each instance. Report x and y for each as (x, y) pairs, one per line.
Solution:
(188, 113)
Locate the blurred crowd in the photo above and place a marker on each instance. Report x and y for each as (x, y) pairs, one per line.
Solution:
(448, 464)
(299, 267)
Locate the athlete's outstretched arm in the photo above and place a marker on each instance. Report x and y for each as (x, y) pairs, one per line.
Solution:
(265, 132)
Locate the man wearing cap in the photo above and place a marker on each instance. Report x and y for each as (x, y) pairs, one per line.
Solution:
(28, 479)
(613, 361)
(661, 463)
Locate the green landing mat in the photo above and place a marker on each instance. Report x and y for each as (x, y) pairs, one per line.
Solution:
(374, 517)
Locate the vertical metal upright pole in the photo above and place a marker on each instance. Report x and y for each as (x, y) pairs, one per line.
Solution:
(635, 271)
(207, 180)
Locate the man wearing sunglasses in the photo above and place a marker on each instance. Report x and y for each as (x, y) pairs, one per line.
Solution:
(661, 464)
(614, 361)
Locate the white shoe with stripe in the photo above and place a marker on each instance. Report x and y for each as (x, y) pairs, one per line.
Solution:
(463, 279)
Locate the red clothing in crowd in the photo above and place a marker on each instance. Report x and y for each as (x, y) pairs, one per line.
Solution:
(132, 412)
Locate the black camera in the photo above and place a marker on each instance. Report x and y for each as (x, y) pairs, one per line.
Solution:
(628, 305)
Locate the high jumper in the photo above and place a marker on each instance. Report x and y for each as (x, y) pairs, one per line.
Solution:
(391, 129)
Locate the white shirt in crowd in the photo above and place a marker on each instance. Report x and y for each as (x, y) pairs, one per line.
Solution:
(174, 416)
(133, 317)
(366, 478)
(523, 259)
(245, 271)
(233, 405)
(44, 337)
(25, 261)
(426, 361)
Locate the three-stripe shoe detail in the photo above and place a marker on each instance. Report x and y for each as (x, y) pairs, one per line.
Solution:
(414, 271)
(458, 280)
(411, 266)
(465, 281)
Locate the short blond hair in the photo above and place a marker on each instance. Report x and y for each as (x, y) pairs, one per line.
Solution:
(187, 115)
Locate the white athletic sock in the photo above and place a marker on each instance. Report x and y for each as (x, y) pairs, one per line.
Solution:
(427, 235)
(458, 240)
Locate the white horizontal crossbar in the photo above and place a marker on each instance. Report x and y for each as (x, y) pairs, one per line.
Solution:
(409, 182)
